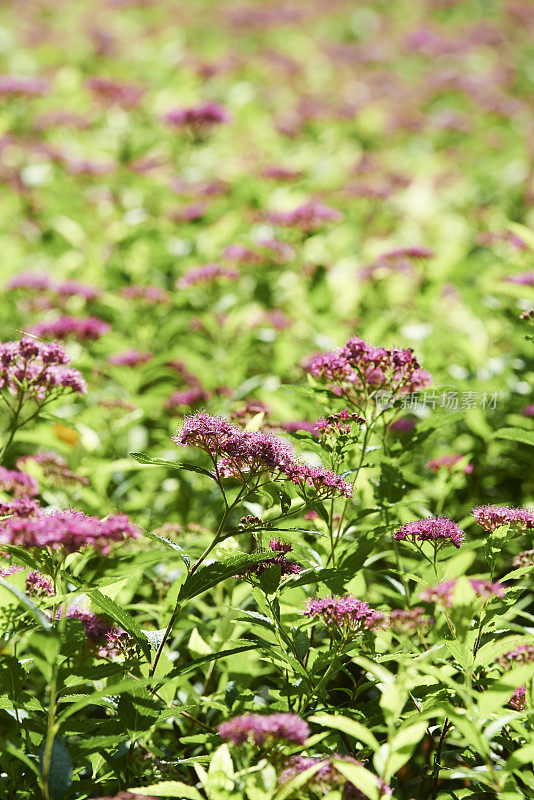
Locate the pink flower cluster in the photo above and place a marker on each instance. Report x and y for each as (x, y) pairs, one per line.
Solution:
(186, 398)
(37, 584)
(115, 93)
(409, 620)
(198, 119)
(339, 422)
(442, 593)
(208, 273)
(522, 654)
(20, 507)
(69, 529)
(518, 699)
(40, 282)
(244, 455)
(439, 530)
(327, 776)
(130, 358)
(55, 468)
(84, 329)
(287, 565)
(346, 613)
(260, 728)
(363, 368)
(448, 463)
(37, 371)
(104, 638)
(306, 218)
(18, 483)
(492, 517)
(22, 86)
(150, 294)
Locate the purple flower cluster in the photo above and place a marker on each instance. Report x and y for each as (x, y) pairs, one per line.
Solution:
(306, 218)
(41, 282)
(186, 398)
(150, 294)
(448, 463)
(105, 639)
(327, 776)
(243, 455)
(208, 273)
(492, 517)
(37, 371)
(518, 699)
(524, 559)
(55, 468)
(69, 529)
(20, 507)
(522, 654)
(37, 584)
(438, 530)
(22, 86)
(345, 613)
(358, 369)
(260, 728)
(18, 483)
(442, 593)
(199, 119)
(84, 329)
(409, 620)
(287, 565)
(339, 422)
(130, 358)
(115, 93)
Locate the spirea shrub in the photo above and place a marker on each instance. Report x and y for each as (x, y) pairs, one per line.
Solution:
(266, 418)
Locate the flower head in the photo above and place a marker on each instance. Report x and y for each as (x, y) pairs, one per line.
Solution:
(358, 370)
(19, 484)
(347, 613)
(55, 468)
(409, 620)
(287, 565)
(518, 699)
(439, 530)
(150, 294)
(306, 218)
(36, 370)
(105, 639)
(442, 593)
(448, 463)
(82, 328)
(130, 358)
(492, 517)
(199, 119)
(260, 728)
(69, 529)
(209, 273)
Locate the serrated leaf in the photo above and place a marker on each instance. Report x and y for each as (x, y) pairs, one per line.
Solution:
(270, 578)
(348, 726)
(168, 789)
(121, 616)
(207, 577)
(515, 435)
(143, 458)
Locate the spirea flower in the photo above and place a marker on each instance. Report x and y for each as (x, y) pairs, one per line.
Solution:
(402, 425)
(409, 620)
(183, 399)
(306, 218)
(20, 507)
(522, 654)
(524, 559)
(18, 483)
(518, 699)
(37, 584)
(339, 423)
(130, 358)
(84, 329)
(208, 273)
(442, 593)
(37, 371)
(30, 281)
(357, 370)
(242, 454)
(69, 529)
(55, 468)
(327, 777)
(287, 565)
(114, 92)
(150, 294)
(346, 614)
(199, 119)
(448, 463)
(439, 530)
(260, 728)
(492, 517)
(104, 638)
(22, 86)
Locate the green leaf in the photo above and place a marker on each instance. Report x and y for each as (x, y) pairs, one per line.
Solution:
(270, 578)
(348, 726)
(515, 435)
(122, 617)
(28, 603)
(301, 640)
(299, 780)
(168, 789)
(137, 710)
(402, 746)
(60, 770)
(142, 458)
(192, 665)
(207, 577)
(360, 777)
(230, 693)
